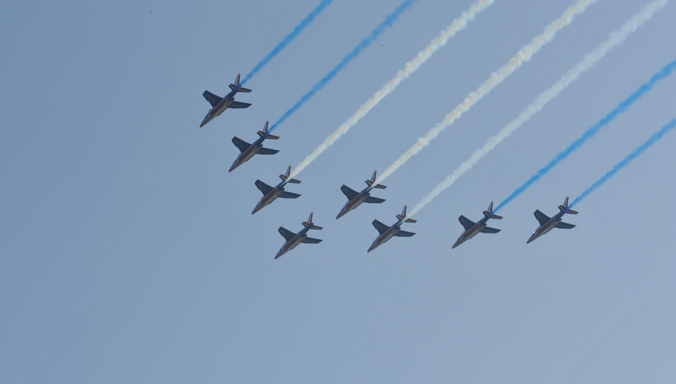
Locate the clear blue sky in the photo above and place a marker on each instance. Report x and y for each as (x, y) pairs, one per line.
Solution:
(128, 253)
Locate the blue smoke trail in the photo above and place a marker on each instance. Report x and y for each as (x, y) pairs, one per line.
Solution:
(593, 130)
(632, 156)
(289, 38)
(346, 60)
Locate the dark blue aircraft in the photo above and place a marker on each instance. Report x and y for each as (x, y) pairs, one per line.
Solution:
(220, 104)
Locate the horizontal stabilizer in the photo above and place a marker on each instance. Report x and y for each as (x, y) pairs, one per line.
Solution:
(267, 151)
(466, 223)
(312, 226)
(541, 217)
(290, 181)
(377, 186)
(240, 144)
(374, 200)
(492, 215)
(382, 228)
(269, 136)
(401, 217)
(311, 240)
(211, 98)
(241, 89)
(288, 235)
(349, 192)
(490, 230)
(289, 195)
(239, 105)
(263, 187)
(404, 234)
(563, 225)
(568, 211)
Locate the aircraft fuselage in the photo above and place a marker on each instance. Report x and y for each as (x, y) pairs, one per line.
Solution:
(546, 227)
(385, 236)
(293, 243)
(269, 198)
(470, 233)
(219, 108)
(246, 155)
(354, 203)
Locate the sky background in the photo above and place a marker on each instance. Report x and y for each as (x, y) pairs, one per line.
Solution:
(128, 253)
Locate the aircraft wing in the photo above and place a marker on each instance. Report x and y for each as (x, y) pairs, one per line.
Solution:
(563, 225)
(404, 234)
(372, 199)
(542, 218)
(211, 98)
(289, 195)
(380, 226)
(267, 151)
(490, 230)
(263, 187)
(241, 144)
(288, 235)
(349, 192)
(311, 240)
(467, 223)
(239, 104)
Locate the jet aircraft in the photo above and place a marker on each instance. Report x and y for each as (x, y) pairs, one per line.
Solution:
(249, 150)
(354, 198)
(547, 223)
(472, 228)
(293, 239)
(270, 193)
(387, 233)
(220, 104)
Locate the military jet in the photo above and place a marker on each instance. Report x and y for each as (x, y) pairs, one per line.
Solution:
(249, 150)
(270, 193)
(547, 223)
(387, 233)
(472, 228)
(220, 104)
(354, 198)
(293, 239)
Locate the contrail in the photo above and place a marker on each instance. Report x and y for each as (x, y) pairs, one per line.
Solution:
(631, 157)
(410, 67)
(616, 38)
(288, 39)
(593, 130)
(388, 22)
(496, 78)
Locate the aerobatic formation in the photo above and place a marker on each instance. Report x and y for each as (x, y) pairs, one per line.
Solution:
(471, 228)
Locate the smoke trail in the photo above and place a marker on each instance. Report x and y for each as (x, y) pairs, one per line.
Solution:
(632, 156)
(593, 130)
(496, 78)
(410, 67)
(288, 39)
(616, 38)
(388, 22)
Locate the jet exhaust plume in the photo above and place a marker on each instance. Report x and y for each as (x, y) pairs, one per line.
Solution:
(594, 129)
(496, 78)
(631, 157)
(616, 38)
(388, 22)
(288, 39)
(410, 67)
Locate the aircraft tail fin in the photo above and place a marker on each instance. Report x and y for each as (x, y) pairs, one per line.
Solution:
(309, 224)
(284, 177)
(264, 133)
(489, 213)
(373, 180)
(237, 87)
(564, 208)
(403, 215)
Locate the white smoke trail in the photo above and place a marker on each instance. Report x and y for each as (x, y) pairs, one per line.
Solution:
(496, 78)
(410, 67)
(616, 38)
